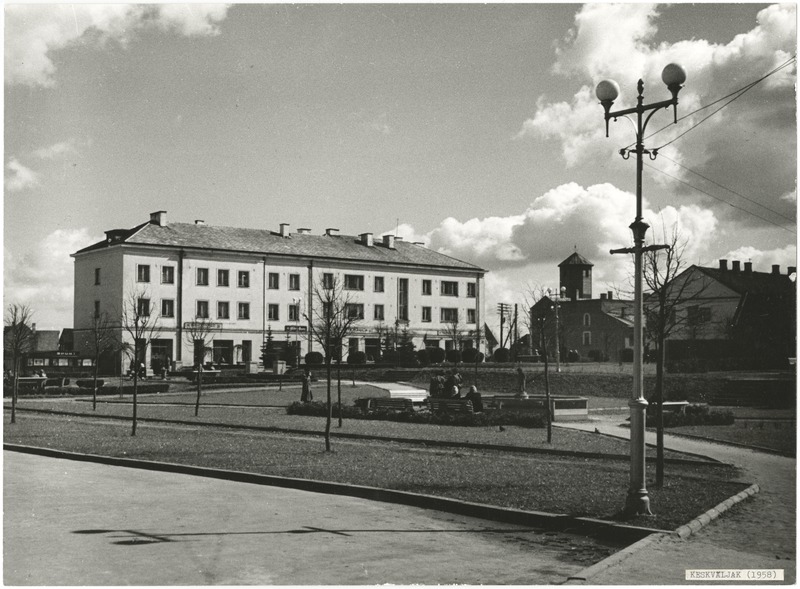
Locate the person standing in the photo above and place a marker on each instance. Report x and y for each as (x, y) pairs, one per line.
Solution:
(306, 396)
(521, 383)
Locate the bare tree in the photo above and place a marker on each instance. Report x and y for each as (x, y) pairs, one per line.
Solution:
(19, 339)
(334, 315)
(197, 334)
(140, 321)
(454, 331)
(543, 327)
(667, 296)
(100, 339)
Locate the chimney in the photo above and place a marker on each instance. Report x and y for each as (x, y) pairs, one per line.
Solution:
(397, 238)
(776, 268)
(736, 266)
(791, 270)
(303, 230)
(610, 295)
(366, 239)
(330, 230)
(723, 264)
(284, 230)
(388, 241)
(159, 218)
(199, 222)
(420, 243)
(603, 296)
(748, 267)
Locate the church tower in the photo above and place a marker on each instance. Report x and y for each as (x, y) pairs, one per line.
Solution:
(575, 275)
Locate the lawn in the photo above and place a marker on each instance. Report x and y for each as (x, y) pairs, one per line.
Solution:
(778, 435)
(557, 484)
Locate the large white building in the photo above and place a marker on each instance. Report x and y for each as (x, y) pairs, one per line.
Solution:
(254, 282)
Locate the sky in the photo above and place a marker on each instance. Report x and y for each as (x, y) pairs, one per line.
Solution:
(471, 127)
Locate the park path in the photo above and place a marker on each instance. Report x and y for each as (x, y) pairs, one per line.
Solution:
(756, 534)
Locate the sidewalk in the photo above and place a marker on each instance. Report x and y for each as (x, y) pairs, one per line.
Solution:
(756, 534)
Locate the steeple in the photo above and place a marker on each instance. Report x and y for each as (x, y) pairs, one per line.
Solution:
(575, 275)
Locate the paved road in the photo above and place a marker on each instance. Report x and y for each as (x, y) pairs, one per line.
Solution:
(758, 533)
(76, 523)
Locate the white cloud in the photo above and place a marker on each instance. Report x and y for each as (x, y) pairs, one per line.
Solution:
(753, 134)
(56, 150)
(764, 260)
(43, 277)
(33, 32)
(18, 177)
(790, 196)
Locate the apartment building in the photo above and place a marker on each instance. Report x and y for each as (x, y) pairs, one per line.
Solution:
(251, 284)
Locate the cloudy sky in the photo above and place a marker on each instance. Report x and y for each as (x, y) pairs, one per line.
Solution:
(471, 127)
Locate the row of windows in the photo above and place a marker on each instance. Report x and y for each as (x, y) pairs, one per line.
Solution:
(351, 281)
(353, 310)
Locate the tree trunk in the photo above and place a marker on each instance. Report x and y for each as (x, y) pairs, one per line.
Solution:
(199, 389)
(330, 407)
(94, 383)
(339, 389)
(547, 389)
(135, 388)
(660, 357)
(14, 390)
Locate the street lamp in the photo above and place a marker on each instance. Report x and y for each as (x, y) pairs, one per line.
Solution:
(557, 298)
(673, 76)
(297, 302)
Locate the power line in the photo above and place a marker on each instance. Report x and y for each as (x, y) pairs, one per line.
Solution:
(720, 199)
(773, 211)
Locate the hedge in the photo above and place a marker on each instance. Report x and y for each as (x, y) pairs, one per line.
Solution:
(693, 415)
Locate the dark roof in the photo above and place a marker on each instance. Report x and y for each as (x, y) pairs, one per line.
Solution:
(753, 283)
(575, 260)
(261, 241)
(46, 340)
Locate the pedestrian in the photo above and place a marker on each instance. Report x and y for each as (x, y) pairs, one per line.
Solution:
(521, 383)
(306, 396)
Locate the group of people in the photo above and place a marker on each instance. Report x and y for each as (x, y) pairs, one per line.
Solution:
(447, 385)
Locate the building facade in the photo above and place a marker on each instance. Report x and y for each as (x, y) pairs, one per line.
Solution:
(251, 285)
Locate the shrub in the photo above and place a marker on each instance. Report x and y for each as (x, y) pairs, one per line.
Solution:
(357, 357)
(597, 356)
(436, 355)
(314, 358)
(320, 409)
(408, 357)
(453, 356)
(626, 355)
(502, 355)
(469, 354)
(84, 383)
(422, 357)
(693, 415)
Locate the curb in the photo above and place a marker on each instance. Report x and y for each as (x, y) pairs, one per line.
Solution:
(682, 532)
(584, 526)
(706, 518)
(419, 441)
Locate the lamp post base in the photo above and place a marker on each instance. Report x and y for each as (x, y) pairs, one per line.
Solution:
(637, 503)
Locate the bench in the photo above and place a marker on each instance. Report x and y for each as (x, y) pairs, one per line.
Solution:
(518, 404)
(56, 382)
(384, 404)
(563, 408)
(450, 405)
(416, 395)
(669, 406)
(32, 383)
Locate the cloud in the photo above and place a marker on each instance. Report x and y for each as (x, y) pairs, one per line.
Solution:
(34, 32)
(764, 260)
(18, 177)
(753, 134)
(56, 150)
(381, 125)
(43, 277)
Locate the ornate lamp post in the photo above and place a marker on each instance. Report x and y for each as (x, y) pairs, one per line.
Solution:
(638, 501)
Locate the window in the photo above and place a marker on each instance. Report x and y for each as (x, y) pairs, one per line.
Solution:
(274, 281)
(449, 289)
(378, 314)
(587, 338)
(202, 277)
(273, 312)
(426, 315)
(202, 309)
(223, 310)
(696, 315)
(587, 320)
(167, 308)
(294, 312)
(353, 282)
(354, 310)
(471, 290)
(326, 309)
(402, 299)
(426, 287)
(327, 280)
(378, 287)
(449, 315)
(294, 282)
(97, 275)
(167, 274)
(244, 311)
(97, 309)
(143, 307)
(223, 278)
(470, 315)
(143, 273)
(244, 279)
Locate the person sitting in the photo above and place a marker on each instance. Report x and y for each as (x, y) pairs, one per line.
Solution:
(475, 397)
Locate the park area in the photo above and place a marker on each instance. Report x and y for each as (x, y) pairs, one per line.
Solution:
(249, 430)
